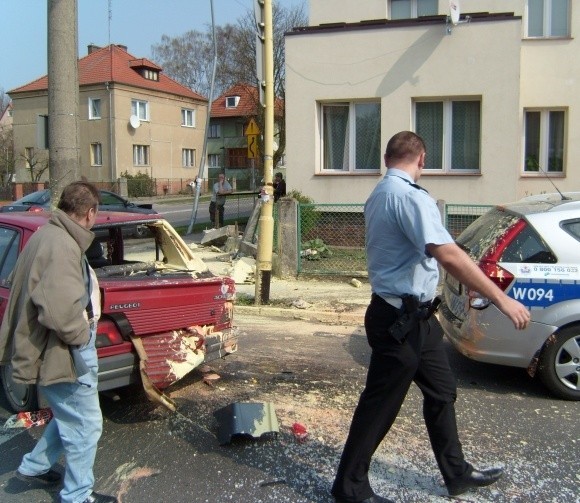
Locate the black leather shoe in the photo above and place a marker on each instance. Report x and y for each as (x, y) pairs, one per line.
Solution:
(373, 499)
(100, 498)
(50, 478)
(474, 479)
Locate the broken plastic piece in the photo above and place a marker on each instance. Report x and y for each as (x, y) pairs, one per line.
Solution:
(254, 419)
(29, 419)
(300, 432)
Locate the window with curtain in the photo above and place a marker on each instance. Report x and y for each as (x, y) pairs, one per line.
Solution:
(451, 130)
(187, 117)
(544, 139)
(406, 9)
(96, 154)
(140, 109)
(351, 137)
(188, 157)
(94, 108)
(140, 155)
(548, 18)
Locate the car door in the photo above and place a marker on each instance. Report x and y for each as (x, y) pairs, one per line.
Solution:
(10, 239)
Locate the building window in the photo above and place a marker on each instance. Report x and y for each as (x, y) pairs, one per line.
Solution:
(140, 155)
(140, 109)
(150, 74)
(451, 130)
(213, 160)
(96, 154)
(232, 101)
(406, 9)
(214, 131)
(187, 117)
(548, 18)
(544, 132)
(351, 137)
(94, 108)
(188, 157)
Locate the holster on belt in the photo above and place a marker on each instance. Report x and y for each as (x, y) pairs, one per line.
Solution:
(411, 312)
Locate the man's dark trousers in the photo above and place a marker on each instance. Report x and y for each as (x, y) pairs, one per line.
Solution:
(420, 358)
(216, 211)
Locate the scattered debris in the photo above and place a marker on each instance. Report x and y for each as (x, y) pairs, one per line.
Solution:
(355, 282)
(272, 482)
(218, 237)
(300, 432)
(128, 474)
(243, 269)
(254, 419)
(301, 304)
(210, 378)
(29, 419)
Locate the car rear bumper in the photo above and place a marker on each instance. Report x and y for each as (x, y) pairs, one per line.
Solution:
(505, 346)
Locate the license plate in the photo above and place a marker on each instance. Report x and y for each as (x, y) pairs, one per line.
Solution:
(453, 283)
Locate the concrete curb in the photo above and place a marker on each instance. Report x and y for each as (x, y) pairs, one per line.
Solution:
(327, 317)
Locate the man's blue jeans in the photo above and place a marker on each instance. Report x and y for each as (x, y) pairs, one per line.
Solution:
(74, 430)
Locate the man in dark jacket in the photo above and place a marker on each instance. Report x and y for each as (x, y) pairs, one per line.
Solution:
(48, 335)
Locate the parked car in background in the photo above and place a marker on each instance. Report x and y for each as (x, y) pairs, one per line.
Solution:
(163, 312)
(109, 202)
(531, 250)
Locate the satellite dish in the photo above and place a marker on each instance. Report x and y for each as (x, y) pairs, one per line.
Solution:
(454, 11)
(134, 121)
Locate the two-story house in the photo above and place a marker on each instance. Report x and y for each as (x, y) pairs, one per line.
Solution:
(495, 96)
(133, 119)
(234, 136)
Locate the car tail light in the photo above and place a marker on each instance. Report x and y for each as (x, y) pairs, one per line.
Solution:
(490, 267)
(108, 334)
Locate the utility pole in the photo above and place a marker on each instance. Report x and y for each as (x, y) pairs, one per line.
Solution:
(63, 95)
(266, 222)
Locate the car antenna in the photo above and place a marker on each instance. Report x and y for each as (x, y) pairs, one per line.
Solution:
(564, 198)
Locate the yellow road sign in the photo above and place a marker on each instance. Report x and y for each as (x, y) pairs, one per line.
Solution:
(252, 146)
(252, 128)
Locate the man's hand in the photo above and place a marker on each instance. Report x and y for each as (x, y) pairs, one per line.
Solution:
(515, 311)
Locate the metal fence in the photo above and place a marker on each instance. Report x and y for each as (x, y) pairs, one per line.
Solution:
(331, 237)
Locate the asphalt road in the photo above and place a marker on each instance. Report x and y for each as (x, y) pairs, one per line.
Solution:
(312, 374)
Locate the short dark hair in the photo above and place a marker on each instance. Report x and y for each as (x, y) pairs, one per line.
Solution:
(280, 175)
(405, 145)
(79, 197)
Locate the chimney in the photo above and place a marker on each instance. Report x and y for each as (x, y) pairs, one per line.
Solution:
(121, 46)
(92, 48)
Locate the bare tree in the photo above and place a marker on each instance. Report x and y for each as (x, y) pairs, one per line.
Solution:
(36, 164)
(189, 59)
(6, 143)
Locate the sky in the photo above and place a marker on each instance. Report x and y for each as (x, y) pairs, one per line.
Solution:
(138, 24)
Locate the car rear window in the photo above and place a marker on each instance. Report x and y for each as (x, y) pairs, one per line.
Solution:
(525, 247)
(572, 227)
(477, 238)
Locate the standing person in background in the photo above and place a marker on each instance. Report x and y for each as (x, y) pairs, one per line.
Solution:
(279, 186)
(48, 334)
(405, 240)
(218, 200)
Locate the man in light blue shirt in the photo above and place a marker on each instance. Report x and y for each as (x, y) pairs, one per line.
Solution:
(405, 240)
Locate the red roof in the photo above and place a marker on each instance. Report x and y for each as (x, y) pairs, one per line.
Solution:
(114, 64)
(247, 105)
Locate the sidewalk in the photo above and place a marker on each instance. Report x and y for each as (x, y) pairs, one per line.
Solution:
(336, 300)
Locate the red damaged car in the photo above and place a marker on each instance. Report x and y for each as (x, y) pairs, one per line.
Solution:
(163, 312)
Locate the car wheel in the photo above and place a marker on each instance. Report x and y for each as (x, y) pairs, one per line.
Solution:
(559, 365)
(140, 231)
(21, 397)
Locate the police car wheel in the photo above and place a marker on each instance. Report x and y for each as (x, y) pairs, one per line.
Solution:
(21, 397)
(559, 365)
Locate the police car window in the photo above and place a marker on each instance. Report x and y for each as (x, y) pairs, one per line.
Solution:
(9, 244)
(528, 247)
(572, 228)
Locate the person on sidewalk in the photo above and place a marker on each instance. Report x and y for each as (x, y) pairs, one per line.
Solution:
(279, 186)
(405, 240)
(218, 200)
(48, 334)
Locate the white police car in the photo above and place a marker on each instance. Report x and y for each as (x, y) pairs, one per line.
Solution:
(531, 250)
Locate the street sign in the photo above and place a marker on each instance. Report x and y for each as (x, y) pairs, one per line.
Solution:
(252, 146)
(252, 128)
